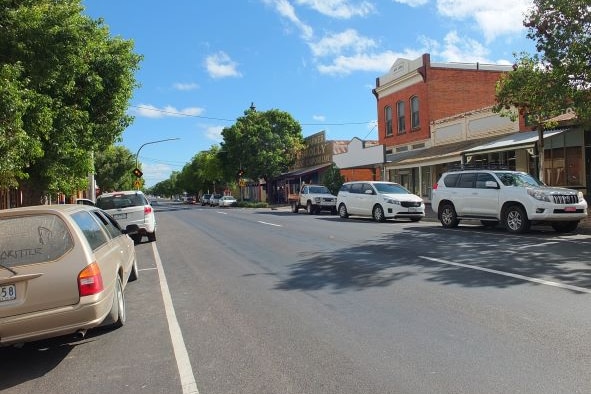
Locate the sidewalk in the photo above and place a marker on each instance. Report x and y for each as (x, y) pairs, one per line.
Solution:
(584, 225)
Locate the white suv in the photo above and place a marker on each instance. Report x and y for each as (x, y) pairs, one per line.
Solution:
(380, 200)
(130, 207)
(513, 198)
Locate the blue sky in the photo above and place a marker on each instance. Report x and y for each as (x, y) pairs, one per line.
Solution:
(206, 61)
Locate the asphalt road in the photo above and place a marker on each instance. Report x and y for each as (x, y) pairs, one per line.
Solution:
(265, 301)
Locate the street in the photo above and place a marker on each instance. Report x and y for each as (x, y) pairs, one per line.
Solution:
(233, 300)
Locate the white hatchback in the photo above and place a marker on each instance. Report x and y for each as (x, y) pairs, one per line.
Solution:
(130, 207)
(380, 200)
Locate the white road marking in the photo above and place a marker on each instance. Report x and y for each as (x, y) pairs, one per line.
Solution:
(270, 224)
(516, 276)
(178, 344)
(535, 245)
(223, 213)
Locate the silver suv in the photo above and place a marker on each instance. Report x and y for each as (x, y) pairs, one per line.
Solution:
(130, 207)
(513, 198)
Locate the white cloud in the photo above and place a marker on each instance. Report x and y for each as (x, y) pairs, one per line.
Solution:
(412, 3)
(342, 9)
(214, 133)
(286, 10)
(220, 65)
(377, 62)
(460, 49)
(494, 18)
(186, 86)
(156, 172)
(319, 118)
(337, 43)
(150, 111)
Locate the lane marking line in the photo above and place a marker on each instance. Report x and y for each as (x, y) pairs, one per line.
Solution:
(270, 224)
(181, 355)
(516, 276)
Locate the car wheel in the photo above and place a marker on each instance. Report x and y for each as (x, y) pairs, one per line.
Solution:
(516, 220)
(489, 223)
(133, 275)
(378, 213)
(152, 236)
(448, 216)
(309, 208)
(117, 316)
(343, 211)
(294, 207)
(565, 227)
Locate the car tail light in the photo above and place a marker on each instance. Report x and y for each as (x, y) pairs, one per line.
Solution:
(147, 210)
(90, 280)
(435, 186)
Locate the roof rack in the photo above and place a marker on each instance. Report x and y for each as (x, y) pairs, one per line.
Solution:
(483, 166)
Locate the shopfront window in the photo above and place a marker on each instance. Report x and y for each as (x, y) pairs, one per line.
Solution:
(563, 166)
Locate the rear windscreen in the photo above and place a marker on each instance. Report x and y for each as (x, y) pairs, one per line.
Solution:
(120, 201)
(33, 239)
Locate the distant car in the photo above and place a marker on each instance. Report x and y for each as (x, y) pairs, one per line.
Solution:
(130, 207)
(190, 200)
(215, 199)
(64, 270)
(205, 199)
(227, 201)
(380, 200)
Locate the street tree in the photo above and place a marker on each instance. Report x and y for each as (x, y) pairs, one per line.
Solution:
(536, 92)
(261, 144)
(562, 32)
(333, 179)
(113, 168)
(65, 85)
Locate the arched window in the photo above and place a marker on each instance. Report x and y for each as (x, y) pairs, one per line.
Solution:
(414, 110)
(400, 114)
(388, 118)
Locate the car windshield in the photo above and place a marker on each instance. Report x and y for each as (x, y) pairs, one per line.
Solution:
(390, 188)
(518, 179)
(319, 190)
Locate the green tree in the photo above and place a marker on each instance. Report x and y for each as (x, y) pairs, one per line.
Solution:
(538, 93)
(333, 179)
(65, 87)
(113, 168)
(262, 144)
(561, 30)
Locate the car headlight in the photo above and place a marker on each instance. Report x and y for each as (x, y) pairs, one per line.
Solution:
(317, 200)
(539, 195)
(392, 201)
(580, 195)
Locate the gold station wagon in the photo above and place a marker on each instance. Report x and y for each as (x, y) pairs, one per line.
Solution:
(63, 270)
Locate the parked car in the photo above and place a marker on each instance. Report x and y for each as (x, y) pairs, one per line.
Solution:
(214, 200)
(84, 201)
(313, 198)
(64, 270)
(227, 201)
(514, 199)
(205, 199)
(380, 200)
(130, 207)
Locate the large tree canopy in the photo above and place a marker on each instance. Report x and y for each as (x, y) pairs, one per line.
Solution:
(562, 31)
(113, 168)
(262, 144)
(65, 85)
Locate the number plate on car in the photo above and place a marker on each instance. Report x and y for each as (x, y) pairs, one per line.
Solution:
(7, 292)
(120, 216)
(412, 209)
(570, 209)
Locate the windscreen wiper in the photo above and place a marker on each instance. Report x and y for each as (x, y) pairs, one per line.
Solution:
(9, 269)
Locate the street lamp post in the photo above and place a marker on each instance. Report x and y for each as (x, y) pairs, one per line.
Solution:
(148, 143)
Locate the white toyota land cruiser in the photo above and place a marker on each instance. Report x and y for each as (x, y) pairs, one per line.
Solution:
(513, 198)
(314, 198)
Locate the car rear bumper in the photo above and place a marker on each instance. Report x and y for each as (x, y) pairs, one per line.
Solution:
(90, 312)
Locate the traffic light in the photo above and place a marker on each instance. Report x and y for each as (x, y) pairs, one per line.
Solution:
(240, 173)
(137, 172)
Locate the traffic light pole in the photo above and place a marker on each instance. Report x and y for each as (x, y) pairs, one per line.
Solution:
(137, 155)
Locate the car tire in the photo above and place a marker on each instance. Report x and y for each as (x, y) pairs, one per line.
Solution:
(343, 211)
(565, 227)
(378, 213)
(117, 316)
(152, 236)
(448, 216)
(134, 274)
(515, 219)
(294, 207)
(310, 208)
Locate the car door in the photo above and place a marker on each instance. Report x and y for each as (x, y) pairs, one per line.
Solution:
(465, 193)
(367, 199)
(355, 199)
(486, 200)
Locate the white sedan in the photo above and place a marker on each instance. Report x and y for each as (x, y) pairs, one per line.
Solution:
(227, 201)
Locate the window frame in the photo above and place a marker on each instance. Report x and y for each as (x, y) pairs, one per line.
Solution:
(400, 117)
(388, 121)
(414, 113)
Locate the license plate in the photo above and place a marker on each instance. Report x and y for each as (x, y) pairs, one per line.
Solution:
(120, 216)
(7, 292)
(570, 209)
(412, 209)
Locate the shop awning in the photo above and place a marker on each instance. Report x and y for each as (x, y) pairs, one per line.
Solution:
(304, 171)
(521, 140)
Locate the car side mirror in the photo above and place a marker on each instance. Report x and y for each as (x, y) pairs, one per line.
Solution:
(491, 185)
(131, 229)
